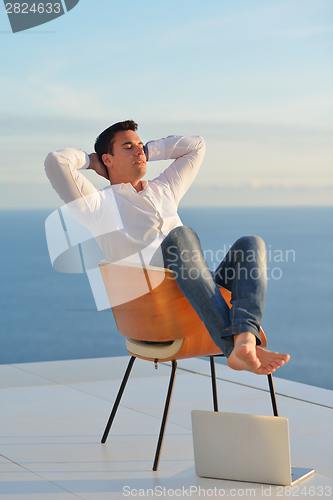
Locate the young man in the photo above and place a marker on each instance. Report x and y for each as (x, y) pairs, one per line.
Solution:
(145, 213)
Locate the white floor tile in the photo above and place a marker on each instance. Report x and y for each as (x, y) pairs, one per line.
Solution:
(201, 365)
(45, 401)
(20, 483)
(90, 370)
(282, 386)
(314, 451)
(319, 396)
(305, 418)
(13, 376)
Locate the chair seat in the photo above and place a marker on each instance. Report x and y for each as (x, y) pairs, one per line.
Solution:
(161, 352)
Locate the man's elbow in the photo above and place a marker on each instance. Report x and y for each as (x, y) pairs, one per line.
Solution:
(49, 162)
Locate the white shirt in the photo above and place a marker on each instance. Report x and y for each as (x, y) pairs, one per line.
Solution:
(122, 220)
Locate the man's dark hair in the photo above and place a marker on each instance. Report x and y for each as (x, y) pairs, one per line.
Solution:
(105, 140)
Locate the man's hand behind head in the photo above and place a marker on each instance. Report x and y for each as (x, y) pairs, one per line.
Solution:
(98, 166)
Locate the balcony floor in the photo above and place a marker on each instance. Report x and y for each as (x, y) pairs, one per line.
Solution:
(53, 415)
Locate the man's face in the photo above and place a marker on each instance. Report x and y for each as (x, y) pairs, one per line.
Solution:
(128, 161)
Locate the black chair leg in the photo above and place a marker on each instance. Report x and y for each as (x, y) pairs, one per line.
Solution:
(273, 397)
(118, 398)
(214, 388)
(165, 415)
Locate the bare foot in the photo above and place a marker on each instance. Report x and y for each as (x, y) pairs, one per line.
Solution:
(246, 355)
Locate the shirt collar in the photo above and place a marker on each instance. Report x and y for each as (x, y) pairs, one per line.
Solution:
(128, 185)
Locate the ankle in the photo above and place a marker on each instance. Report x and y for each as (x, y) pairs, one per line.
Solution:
(244, 338)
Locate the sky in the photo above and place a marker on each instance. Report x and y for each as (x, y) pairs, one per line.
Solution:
(254, 78)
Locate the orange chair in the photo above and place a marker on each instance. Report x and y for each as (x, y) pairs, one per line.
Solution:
(159, 325)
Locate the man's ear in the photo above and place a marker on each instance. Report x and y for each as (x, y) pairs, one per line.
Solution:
(107, 159)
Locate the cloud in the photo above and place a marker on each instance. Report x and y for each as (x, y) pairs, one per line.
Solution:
(21, 196)
(58, 99)
(252, 22)
(299, 32)
(234, 149)
(272, 184)
(246, 194)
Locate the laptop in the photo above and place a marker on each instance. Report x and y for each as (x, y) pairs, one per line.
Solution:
(250, 448)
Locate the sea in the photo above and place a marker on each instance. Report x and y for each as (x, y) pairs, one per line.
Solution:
(46, 315)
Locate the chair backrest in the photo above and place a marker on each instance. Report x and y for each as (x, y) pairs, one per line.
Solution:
(159, 311)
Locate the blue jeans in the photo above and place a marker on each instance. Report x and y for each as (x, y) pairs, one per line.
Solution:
(242, 271)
